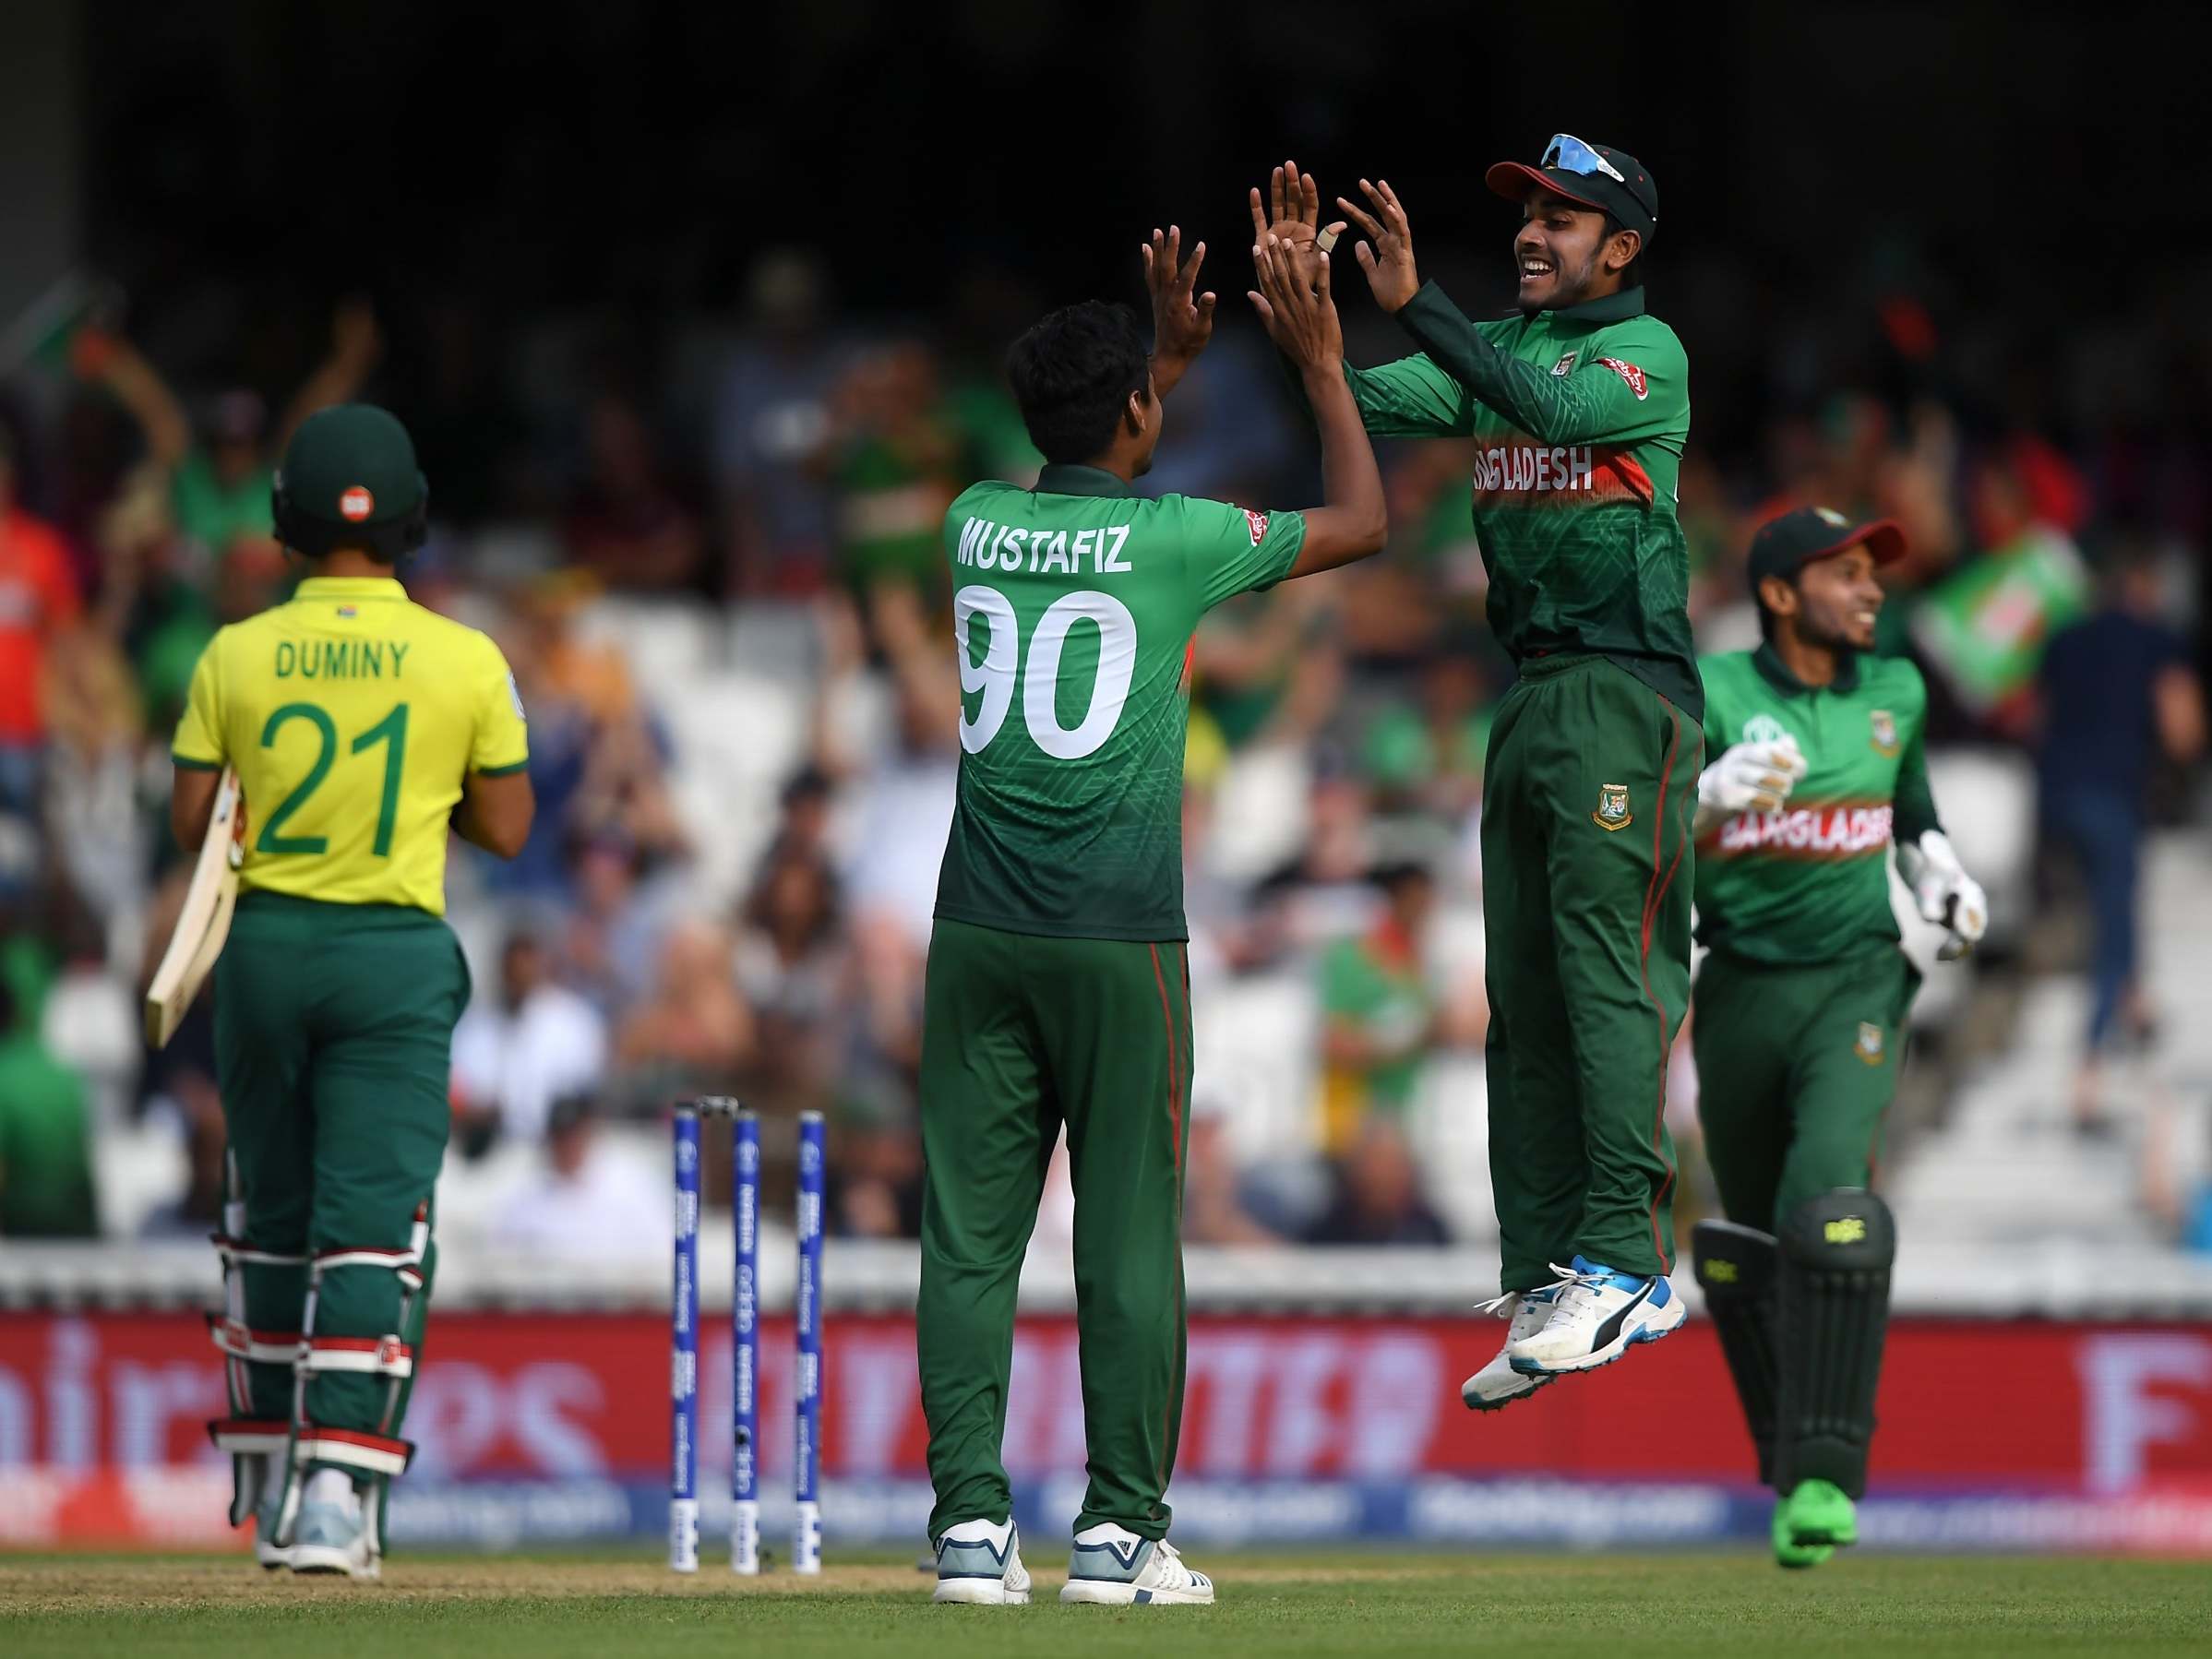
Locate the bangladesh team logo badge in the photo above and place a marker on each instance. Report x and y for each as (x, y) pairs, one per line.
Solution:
(1612, 807)
(1868, 1046)
(1883, 726)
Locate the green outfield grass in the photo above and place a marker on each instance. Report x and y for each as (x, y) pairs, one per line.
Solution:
(545, 1607)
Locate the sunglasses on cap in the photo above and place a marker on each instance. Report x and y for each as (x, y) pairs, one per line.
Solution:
(1570, 154)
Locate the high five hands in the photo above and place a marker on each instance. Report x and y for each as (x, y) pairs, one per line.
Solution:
(1292, 215)
(1296, 309)
(1387, 255)
(1294, 199)
(1181, 324)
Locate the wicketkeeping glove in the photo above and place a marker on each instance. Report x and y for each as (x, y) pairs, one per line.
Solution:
(1750, 776)
(1944, 892)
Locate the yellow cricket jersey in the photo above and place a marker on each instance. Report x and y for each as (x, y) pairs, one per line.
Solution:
(351, 715)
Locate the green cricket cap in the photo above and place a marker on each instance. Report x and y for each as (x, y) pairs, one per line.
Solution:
(352, 465)
(1783, 546)
(1593, 175)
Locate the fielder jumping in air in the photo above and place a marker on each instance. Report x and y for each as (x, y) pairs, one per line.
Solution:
(1579, 405)
(1801, 1002)
(1057, 993)
(361, 727)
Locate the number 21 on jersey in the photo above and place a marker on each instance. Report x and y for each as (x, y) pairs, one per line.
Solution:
(1001, 667)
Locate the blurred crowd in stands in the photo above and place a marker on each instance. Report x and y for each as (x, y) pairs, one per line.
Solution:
(730, 548)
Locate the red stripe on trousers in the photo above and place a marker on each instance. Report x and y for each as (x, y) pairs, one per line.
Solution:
(1655, 893)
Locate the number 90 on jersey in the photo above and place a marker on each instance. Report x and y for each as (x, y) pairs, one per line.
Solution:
(1035, 664)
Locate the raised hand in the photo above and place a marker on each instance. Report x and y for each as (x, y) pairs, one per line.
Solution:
(1291, 213)
(1387, 255)
(1181, 324)
(1300, 314)
(355, 337)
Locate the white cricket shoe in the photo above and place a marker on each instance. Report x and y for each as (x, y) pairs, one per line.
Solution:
(331, 1533)
(1498, 1384)
(1110, 1566)
(1599, 1314)
(979, 1562)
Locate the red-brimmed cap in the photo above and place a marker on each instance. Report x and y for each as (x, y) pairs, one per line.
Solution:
(1783, 546)
(1633, 198)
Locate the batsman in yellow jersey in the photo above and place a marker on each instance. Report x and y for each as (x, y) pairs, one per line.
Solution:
(362, 728)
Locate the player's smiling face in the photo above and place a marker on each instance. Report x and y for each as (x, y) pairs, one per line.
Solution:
(1556, 253)
(1838, 600)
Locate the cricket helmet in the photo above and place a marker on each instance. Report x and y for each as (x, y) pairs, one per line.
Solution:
(349, 478)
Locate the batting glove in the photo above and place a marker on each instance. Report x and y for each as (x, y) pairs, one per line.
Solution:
(1750, 776)
(1944, 892)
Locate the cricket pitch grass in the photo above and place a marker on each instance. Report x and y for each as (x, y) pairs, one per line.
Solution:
(547, 1607)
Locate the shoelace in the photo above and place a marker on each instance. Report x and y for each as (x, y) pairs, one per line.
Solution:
(1174, 1557)
(1568, 1279)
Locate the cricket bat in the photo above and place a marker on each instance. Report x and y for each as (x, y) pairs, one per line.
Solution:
(204, 922)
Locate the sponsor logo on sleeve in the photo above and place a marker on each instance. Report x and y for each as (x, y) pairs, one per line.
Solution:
(1565, 365)
(1868, 1046)
(515, 691)
(1256, 523)
(1629, 373)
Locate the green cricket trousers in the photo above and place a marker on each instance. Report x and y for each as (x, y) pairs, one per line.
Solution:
(1022, 1034)
(1587, 798)
(333, 1032)
(1796, 1070)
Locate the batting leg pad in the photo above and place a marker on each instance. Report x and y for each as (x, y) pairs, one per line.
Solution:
(256, 1362)
(352, 1367)
(1832, 1309)
(1737, 1269)
(258, 1447)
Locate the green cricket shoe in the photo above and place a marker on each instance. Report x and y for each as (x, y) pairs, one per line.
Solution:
(1813, 1523)
(1789, 1551)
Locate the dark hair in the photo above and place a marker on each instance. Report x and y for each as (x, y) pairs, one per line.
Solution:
(1073, 375)
(1633, 276)
(759, 912)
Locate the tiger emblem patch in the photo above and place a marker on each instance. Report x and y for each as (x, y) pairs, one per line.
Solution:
(1612, 807)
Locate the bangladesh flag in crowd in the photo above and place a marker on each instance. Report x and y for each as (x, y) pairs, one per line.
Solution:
(1985, 624)
(57, 330)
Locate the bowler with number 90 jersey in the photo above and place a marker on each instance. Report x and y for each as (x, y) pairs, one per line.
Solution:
(1058, 983)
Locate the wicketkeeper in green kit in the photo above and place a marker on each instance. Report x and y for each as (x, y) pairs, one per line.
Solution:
(1579, 405)
(1057, 990)
(1801, 1002)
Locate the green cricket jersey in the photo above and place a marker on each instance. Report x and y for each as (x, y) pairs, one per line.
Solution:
(1809, 881)
(1073, 606)
(1579, 417)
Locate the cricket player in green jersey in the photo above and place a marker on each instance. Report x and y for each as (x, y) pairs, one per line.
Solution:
(1801, 1002)
(363, 729)
(1058, 991)
(1579, 406)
